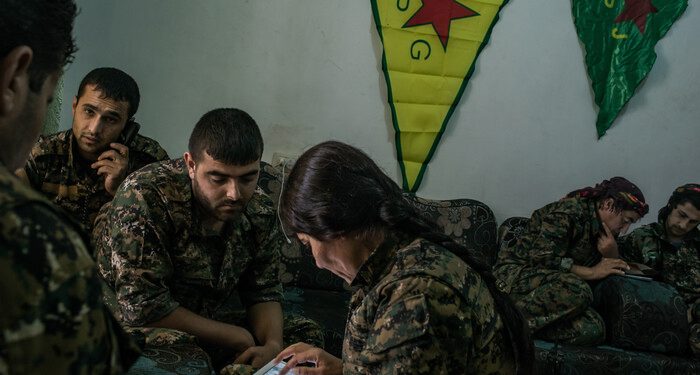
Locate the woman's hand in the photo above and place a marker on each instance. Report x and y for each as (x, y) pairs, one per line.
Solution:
(604, 268)
(607, 244)
(301, 353)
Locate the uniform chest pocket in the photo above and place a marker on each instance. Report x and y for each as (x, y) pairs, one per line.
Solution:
(398, 324)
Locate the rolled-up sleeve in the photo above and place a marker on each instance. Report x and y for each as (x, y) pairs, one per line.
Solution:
(261, 281)
(131, 247)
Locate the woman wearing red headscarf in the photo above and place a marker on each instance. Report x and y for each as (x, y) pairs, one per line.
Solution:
(567, 245)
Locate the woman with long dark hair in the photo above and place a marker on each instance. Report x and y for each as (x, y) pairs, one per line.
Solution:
(423, 304)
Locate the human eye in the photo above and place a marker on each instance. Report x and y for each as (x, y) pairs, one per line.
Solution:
(217, 179)
(89, 112)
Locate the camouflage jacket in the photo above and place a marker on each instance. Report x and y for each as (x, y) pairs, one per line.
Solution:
(419, 309)
(55, 169)
(558, 236)
(678, 265)
(52, 320)
(156, 254)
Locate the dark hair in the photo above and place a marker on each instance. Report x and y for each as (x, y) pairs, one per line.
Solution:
(113, 84)
(625, 195)
(46, 27)
(335, 189)
(228, 135)
(682, 194)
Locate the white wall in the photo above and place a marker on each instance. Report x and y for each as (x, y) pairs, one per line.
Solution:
(310, 70)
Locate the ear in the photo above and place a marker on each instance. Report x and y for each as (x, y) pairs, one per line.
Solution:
(75, 104)
(608, 204)
(189, 161)
(14, 79)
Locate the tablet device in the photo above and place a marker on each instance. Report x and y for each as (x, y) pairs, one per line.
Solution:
(271, 368)
(640, 271)
(643, 278)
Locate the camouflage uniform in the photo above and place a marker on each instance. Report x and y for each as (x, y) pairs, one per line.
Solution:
(536, 272)
(56, 169)
(52, 320)
(419, 309)
(156, 254)
(678, 264)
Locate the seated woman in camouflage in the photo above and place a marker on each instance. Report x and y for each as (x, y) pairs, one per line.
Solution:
(423, 304)
(671, 246)
(567, 245)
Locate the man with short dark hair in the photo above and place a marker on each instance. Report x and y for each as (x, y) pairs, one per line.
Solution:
(52, 320)
(671, 246)
(183, 240)
(80, 169)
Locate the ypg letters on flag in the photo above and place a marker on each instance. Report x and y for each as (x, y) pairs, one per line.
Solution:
(430, 47)
(619, 37)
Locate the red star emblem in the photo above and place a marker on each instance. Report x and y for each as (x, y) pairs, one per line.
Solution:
(440, 14)
(637, 11)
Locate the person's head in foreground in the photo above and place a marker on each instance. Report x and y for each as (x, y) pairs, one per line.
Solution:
(36, 44)
(619, 203)
(339, 203)
(682, 212)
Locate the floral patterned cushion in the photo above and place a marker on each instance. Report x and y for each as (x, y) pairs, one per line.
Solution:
(510, 231)
(179, 358)
(298, 267)
(552, 358)
(642, 315)
(469, 222)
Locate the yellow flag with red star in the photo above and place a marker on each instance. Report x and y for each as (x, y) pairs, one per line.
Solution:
(430, 47)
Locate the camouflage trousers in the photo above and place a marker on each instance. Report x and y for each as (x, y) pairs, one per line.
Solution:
(556, 304)
(296, 329)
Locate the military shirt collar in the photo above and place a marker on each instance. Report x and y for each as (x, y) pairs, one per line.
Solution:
(660, 231)
(380, 260)
(81, 166)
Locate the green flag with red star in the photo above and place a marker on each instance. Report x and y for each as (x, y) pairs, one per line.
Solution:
(619, 37)
(430, 47)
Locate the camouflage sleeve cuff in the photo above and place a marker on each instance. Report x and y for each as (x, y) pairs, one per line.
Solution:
(272, 294)
(566, 264)
(142, 314)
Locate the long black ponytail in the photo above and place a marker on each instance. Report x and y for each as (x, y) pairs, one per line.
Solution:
(335, 189)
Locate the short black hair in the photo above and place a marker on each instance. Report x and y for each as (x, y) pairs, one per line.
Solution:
(46, 27)
(114, 84)
(683, 194)
(228, 135)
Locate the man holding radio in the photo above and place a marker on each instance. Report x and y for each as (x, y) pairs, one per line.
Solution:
(80, 169)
